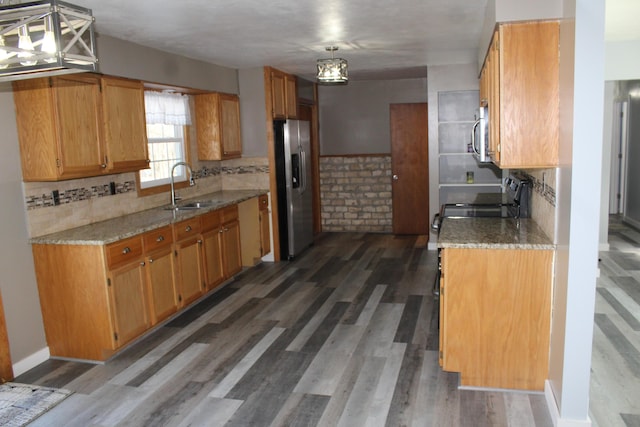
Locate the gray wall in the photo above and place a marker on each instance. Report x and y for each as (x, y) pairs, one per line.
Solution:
(121, 58)
(354, 119)
(632, 189)
(18, 284)
(253, 113)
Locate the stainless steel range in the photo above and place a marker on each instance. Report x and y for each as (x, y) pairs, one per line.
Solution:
(515, 202)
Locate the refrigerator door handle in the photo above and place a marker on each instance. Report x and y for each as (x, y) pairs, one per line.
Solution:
(303, 171)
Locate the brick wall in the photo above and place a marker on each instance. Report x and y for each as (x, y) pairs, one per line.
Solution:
(355, 193)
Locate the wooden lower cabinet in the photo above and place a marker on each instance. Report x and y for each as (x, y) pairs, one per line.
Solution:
(495, 307)
(95, 299)
(127, 293)
(188, 253)
(255, 231)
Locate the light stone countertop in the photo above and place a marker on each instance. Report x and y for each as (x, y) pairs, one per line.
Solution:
(492, 233)
(112, 230)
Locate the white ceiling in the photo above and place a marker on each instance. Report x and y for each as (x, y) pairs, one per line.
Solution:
(379, 38)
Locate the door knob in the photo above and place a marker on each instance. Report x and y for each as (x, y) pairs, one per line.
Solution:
(395, 177)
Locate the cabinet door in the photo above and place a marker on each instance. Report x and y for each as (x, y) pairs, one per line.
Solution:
(230, 126)
(188, 254)
(278, 95)
(124, 124)
(128, 304)
(208, 126)
(231, 248)
(493, 94)
(265, 229)
(79, 124)
(162, 291)
(212, 258)
(292, 96)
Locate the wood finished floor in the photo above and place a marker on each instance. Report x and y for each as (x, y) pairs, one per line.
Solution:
(615, 366)
(345, 335)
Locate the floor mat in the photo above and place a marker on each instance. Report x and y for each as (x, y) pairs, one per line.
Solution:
(22, 403)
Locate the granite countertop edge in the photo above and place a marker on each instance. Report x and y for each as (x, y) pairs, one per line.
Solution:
(493, 233)
(115, 229)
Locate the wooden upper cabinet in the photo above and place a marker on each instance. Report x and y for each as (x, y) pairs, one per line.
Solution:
(218, 126)
(125, 129)
(79, 126)
(291, 91)
(522, 65)
(284, 95)
(59, 122)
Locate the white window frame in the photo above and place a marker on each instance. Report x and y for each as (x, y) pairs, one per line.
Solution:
(180, 174)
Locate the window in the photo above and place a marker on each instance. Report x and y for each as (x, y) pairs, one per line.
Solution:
(166, 116)
(166, 148)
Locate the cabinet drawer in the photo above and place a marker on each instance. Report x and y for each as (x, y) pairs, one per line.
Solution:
(263, 202)
(158, 238)
(124, 251)
(210, 220)
(187, 228)
(229, 213)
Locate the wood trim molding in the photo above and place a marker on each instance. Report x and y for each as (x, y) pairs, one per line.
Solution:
(273, 185)
(6, 369)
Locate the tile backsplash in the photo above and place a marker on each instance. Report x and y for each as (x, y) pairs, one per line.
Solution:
(543, 199)
(57, 206)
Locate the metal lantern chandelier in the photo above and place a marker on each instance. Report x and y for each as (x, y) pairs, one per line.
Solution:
(332, 71)
(45, 38)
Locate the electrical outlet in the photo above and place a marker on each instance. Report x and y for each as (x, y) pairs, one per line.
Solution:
(112, 188)
(55, 194)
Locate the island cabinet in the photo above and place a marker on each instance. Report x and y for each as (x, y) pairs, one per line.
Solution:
(519, 84)
(218, 126)
(495, 308)
(79, 126)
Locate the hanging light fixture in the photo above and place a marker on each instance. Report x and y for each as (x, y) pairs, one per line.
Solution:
(332, 71)
(48, 37)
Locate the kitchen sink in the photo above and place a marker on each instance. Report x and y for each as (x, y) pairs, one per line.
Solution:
(191, 206)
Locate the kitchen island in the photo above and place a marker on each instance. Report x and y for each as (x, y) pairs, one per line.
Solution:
(104, 285)
(495, 302)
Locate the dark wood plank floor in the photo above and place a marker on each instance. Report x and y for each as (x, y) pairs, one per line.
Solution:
(344, 335)
(615, 366)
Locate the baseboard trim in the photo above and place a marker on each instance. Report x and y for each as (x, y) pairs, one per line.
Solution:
(555, 413)
(31, 361)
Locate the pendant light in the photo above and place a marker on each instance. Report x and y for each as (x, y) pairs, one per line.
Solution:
(332, 71)
(43, 38)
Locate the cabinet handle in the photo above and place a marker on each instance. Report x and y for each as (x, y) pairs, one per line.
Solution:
(188, 228)
(150, 260)
(160, 239)
(142, 264)
(199, 242)
(221, 231)
(103, 165)
(126, 250)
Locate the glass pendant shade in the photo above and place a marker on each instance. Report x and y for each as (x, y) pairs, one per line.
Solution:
(332, 71)
(43, 38)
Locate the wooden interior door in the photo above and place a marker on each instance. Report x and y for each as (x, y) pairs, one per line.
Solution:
(410, 168)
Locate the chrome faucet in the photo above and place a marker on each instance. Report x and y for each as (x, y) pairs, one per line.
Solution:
(192, 181)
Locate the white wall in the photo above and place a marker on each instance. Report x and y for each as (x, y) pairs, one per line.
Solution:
(622, 61)
(578, 196)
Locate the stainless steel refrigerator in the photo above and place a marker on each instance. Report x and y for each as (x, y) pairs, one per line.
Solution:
(293, 172)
